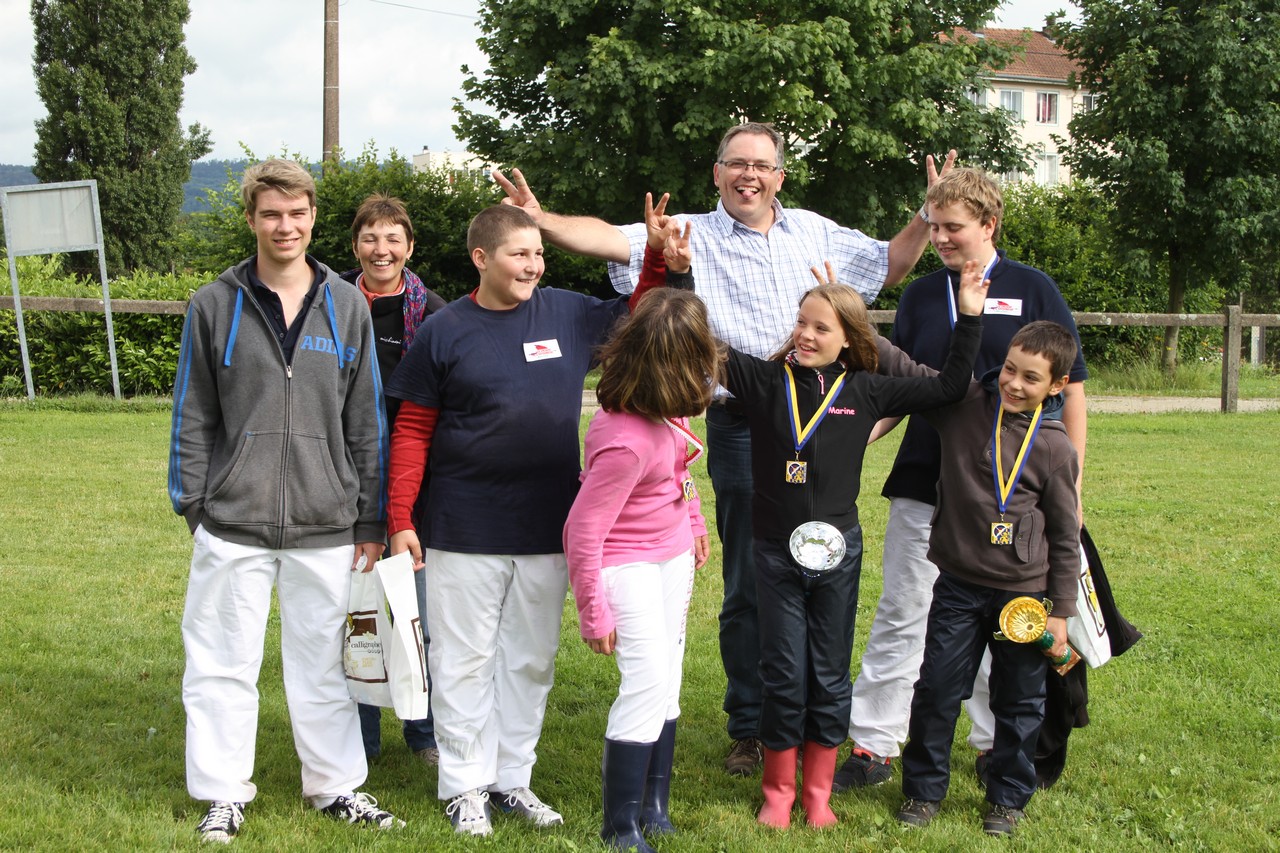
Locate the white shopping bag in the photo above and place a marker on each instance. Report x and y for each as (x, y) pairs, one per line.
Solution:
(363, 659)
(1087, 632)
(403, 651)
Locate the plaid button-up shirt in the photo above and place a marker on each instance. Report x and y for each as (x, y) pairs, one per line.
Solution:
(752, 282)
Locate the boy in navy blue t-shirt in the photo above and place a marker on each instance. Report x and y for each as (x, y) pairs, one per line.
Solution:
(492, 396)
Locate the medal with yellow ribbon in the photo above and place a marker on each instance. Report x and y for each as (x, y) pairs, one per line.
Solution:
(797, 471)
(1002, 531)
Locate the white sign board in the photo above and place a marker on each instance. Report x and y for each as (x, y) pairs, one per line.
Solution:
(46, 219)
(50, 218)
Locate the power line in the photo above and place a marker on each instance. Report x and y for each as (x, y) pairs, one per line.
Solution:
(421, 9)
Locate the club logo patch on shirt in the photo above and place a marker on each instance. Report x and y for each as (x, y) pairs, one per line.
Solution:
(540, 350)
(1005, 307)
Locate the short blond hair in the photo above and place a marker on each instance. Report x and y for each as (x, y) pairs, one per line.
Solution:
(276, 174)
(973, 188)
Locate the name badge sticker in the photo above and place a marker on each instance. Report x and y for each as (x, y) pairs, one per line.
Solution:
(1004, 307)
(541, 350)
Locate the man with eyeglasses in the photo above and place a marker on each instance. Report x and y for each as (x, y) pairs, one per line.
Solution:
(752, 259)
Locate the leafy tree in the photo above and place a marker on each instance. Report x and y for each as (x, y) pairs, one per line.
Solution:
(1069, 232)
(110, 75)
(1186, 138)
(598, 102)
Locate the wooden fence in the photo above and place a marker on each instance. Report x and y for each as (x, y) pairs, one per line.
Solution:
(1233, 321)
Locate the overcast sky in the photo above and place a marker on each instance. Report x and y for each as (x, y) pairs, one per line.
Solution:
(261, 73)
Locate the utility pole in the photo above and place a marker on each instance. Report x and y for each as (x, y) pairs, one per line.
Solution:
(330, 79)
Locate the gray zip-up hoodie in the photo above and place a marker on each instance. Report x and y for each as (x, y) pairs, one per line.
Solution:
(272, 454)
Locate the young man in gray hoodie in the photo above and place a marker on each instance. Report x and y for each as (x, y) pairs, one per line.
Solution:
(278, 463)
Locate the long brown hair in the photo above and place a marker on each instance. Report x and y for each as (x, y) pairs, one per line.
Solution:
(663, 361)
(851, 311)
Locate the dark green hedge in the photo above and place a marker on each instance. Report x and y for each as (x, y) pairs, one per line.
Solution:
(69, 350)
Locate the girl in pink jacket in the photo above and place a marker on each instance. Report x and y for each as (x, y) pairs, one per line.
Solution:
(633, 539)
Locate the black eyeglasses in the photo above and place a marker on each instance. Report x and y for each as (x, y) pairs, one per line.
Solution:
(737, 167)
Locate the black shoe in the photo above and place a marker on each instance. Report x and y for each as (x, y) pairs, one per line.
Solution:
(745, 757)
(918, 812)
(862, 769)
(1002, 820)
(221, 823)
(362, 809)
(982, 767)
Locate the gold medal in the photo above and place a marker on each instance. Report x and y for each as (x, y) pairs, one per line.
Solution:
(797, 471)
(1001, 533)
(690, 492)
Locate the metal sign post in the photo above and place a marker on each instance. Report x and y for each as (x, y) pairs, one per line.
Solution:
(46, 219)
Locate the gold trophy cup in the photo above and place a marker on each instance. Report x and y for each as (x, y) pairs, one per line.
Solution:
(1023, 620)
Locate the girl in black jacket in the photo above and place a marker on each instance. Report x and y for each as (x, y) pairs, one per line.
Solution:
(810, 410)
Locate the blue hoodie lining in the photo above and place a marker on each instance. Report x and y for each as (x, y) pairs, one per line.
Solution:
(235, 328)
(333, 322)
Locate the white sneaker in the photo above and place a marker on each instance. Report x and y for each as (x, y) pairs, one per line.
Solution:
(221, 823)
(525, 803)
(469, 813)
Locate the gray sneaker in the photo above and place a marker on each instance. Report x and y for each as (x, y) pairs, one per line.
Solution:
(469, 813)
(221, 823)
(525, 803)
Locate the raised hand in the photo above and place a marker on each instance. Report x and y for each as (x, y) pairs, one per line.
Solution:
(656, 221)
(931, 170)
(676, 250)
(973, 289)
(518, 193)
(829, 277)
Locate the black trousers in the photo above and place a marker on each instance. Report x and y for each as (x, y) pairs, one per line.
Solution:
(806, 642)
(962, 620)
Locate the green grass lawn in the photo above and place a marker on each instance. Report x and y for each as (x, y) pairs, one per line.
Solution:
(1181, 752)
(1190, 379)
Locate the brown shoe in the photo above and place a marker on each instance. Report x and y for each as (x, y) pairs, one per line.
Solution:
(744, 757)
(429, 754)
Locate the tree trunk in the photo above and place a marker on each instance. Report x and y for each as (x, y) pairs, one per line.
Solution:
(1177, 299)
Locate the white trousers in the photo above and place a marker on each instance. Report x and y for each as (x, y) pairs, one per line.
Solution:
(223, 629)
(495, 626)
(650, 603)
(891, 663)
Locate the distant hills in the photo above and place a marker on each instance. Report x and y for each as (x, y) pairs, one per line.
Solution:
(205, 174)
